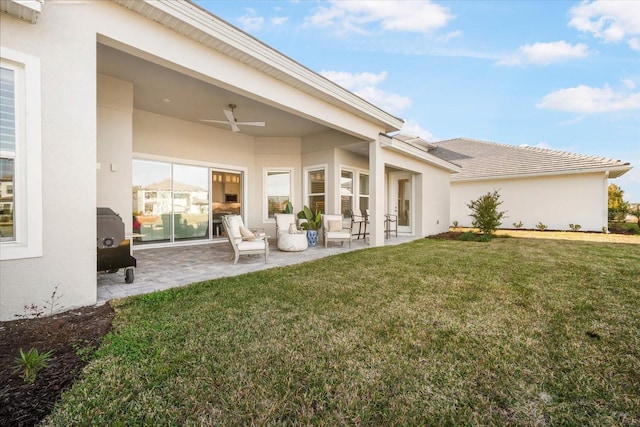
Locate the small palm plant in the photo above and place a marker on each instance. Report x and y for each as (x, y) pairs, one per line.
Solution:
(31, 362)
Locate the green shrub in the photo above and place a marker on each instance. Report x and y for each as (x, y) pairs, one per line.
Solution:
(624, 228)
(467, 236)
(30, 363)
(540, 226)
(575, 227)
(486, 216)
(518, 224)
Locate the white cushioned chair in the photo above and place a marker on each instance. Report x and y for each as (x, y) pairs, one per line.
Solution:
(285, 240)
(242, 240)
(333, 229)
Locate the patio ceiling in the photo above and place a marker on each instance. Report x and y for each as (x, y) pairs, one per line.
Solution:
(192, 99)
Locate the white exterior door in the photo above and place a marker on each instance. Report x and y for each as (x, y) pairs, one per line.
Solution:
(401, 200)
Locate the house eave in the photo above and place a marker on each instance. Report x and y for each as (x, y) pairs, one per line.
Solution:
(613, 172)
(202, 26)
(27, 10)
(392, 144)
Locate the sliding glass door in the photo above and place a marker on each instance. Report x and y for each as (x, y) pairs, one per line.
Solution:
(190, 202)
(174, 202)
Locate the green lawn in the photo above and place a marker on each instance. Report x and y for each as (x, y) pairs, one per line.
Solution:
(511, 332)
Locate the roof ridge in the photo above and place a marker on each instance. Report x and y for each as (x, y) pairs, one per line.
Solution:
(570, 154)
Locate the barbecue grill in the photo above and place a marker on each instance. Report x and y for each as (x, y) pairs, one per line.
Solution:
(114, 251)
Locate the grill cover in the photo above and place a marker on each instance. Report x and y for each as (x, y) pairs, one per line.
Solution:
(110, 229)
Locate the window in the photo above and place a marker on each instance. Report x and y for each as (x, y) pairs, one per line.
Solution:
(363, 179)
(346, 192)
(7, 150)
(316, 189)
(278, 191)
(20, 150)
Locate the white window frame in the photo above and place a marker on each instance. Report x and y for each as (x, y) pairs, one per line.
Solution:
(305, 184)
(353, 186)
(265, 195)
(27, 187)
(360, 195)
(355, 194)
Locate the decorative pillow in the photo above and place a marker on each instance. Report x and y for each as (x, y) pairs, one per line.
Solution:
(335, 225)
(245, 232)
(293, 229)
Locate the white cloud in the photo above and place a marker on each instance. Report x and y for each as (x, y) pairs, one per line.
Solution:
(610, 20)
(572, 121)
(251, 22)
(587, 100)
(411, 127)
(279, 20)
(630, 84)
(391, 102)
(364, 85)
(452, 35)
(354, 81)
(546, 53)
(422, 16)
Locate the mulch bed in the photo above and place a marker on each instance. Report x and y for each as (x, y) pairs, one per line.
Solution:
(73, 336)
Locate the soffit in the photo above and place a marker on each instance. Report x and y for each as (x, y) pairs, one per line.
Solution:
(198, 24)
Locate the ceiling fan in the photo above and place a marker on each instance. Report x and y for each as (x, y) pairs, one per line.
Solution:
(232, 121)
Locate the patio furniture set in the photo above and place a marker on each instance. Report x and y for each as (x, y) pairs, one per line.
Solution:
(290, 237)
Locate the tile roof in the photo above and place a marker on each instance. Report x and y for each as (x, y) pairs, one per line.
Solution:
(484, 160)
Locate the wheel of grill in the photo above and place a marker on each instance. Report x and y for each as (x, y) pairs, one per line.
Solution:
(128, 275)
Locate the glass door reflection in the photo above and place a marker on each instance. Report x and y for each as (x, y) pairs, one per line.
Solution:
(226, 198)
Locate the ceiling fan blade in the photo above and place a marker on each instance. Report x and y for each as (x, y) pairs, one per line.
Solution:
(232, 120)
(252, 123)
(214, 121)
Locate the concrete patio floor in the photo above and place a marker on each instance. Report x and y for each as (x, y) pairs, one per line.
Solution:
(165, 268)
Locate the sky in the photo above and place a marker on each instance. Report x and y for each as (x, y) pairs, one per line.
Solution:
(563, 75)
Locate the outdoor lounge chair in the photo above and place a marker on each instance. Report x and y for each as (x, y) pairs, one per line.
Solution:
(286, 239)
(333, 229)
(242, 240)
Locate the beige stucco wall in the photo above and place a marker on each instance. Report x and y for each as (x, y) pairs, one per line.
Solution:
(114, 146)
(554, 201)
(431, 190)
(64, 42)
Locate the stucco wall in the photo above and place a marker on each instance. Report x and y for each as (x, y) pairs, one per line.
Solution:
(431, 190)
(554, 201)
(65, 44)
(115, 139)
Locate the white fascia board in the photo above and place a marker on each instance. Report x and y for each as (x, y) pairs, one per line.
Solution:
(273, 62)
(613, 172)
(392, 144)
(27, 10)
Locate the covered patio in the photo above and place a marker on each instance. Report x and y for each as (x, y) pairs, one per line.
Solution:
(164, 268)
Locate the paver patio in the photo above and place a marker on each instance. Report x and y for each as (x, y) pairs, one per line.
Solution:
(165, 268)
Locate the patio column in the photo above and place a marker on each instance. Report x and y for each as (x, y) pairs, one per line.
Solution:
(377, 193)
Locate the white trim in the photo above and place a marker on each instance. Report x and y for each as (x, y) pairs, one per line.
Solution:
(28, 166)
(27, 10)
(265, 203)
(611, 171)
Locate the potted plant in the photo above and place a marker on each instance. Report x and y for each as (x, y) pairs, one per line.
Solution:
(312, 222)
